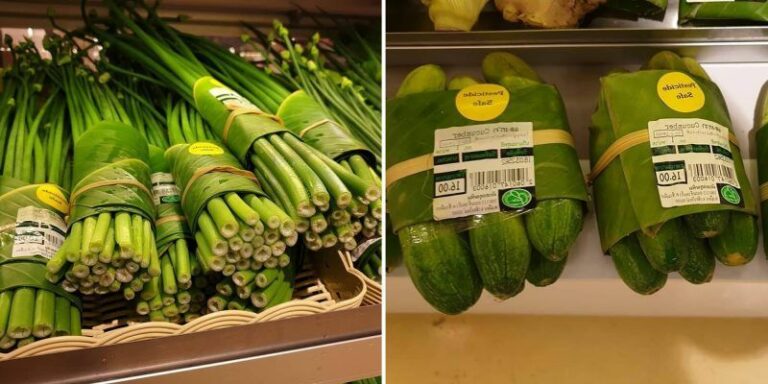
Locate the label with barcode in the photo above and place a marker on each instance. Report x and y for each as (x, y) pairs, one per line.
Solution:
(484, 168)
(693, 163)
(164, 189)
(39, 232)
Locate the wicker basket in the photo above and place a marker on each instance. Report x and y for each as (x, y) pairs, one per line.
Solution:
(325, 284)
(373, 287)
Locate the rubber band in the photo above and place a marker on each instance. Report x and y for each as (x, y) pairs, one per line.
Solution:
(244, 111)
(216, 169)
(624, 143)
(424, 163)
(169, 219)
(764, 191)
(313, 126)
(106, 183)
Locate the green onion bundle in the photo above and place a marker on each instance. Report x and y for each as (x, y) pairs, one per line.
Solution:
(32, 205)
(308, 185)
(111, 241)
(236, 226)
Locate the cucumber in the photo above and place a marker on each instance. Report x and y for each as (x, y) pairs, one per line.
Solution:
(426, 78)
(666, 60)
(501, 252)
(542, 271)
(497, 65)
(554, 225)
(708, 224)
(668, 250)
(633, 267)
(441, 267)
(737, 245)
(700, 266)
(460, 82)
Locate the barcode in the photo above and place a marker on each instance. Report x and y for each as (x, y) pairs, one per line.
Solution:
(55, 241)
(712, 171)
(507, 177)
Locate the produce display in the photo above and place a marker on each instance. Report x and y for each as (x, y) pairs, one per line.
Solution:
(723, 11)
(504, 198)
(761, 143)
(33, 205)
(451, 15)
(127, 169)
(670, 190)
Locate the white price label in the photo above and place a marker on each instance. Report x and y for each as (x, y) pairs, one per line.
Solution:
(693, 163)
(39, 232)
(485, 168)
(164, 189)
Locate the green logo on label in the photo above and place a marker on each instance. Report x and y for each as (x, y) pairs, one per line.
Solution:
(516, 198)
(730, 194)
(170, 199)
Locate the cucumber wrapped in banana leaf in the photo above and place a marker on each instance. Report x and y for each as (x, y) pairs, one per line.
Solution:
(671, 193)
(451, 259)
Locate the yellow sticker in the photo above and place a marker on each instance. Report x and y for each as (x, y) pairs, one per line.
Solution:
(206, 149)
(482, 102)
(52, 195)
(680, 92)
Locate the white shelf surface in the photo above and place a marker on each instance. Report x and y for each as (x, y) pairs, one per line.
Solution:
(590, 285)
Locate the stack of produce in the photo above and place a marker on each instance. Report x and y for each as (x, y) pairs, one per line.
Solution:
(761, 143)
(531, 189)
(309, 185)
(671, 194)
(723, 11)
(111, 240)
(32, 204)
(450, 15)
(239, 231)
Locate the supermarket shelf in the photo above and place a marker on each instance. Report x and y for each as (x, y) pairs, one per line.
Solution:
(328, 348)
(220, 18)
(602, 41)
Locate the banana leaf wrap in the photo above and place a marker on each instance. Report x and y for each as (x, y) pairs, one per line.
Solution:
(653, 9)
(16, 272)
(304, 117)
(185, 161)
(724, 11)
(411, 124)
(216, 102)
(109, 152)
(625, 193)
(761, 143)
(171, 225)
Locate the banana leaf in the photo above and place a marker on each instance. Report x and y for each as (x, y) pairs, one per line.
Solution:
(215, 101)
(724, 11)
(169, 206)
(16, 272)
(299, 112)
(652, 9)
(411, 124)
(761, 138)
(625, 193)
(111, 151)
(185, 160)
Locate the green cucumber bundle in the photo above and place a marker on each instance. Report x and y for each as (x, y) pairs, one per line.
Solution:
(761, 138)
(723, 12)
(451, 260)
(681, 202)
